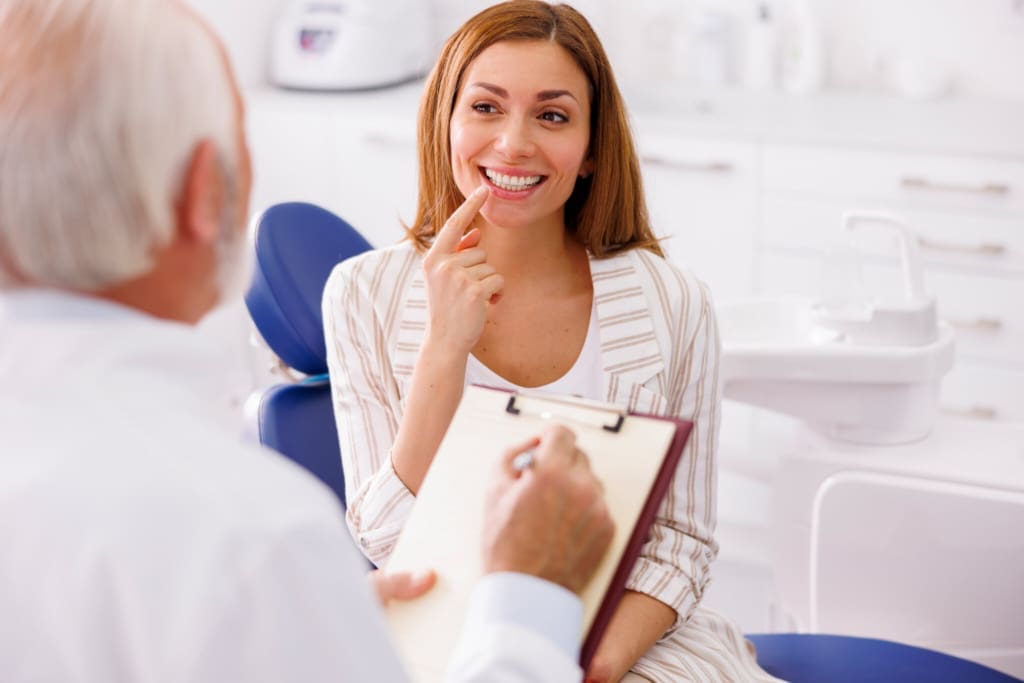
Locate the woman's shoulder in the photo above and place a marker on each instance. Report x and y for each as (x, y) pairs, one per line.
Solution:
(682, 296)
(657, 271)
(392, 265)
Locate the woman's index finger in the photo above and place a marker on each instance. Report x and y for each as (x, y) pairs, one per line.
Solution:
(448, 237)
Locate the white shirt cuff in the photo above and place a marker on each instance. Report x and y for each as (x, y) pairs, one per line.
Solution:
(535, 604)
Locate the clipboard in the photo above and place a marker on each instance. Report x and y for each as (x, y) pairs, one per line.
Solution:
(634, 455)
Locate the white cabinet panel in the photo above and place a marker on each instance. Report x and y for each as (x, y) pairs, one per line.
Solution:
(354, 155)
(700, 195)
(376, 181)
(293, 157)
(984, 392)
(916, 180)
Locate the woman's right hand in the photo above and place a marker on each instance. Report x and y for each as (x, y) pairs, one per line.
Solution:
(460, 282)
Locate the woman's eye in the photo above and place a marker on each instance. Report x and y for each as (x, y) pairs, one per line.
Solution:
(485, 108)
(554, 117)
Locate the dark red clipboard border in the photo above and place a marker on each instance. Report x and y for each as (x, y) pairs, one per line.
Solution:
(617, 586)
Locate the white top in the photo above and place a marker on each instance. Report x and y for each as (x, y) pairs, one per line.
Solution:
(143, 543)
(583, 379)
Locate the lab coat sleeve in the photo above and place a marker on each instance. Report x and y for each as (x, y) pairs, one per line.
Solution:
(299, 610)
(675, 563)
(519, 629)
(367, 407)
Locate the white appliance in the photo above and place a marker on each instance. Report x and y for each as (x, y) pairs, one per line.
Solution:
(350, 44)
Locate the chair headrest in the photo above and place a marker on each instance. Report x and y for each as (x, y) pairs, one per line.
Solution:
(297, 246)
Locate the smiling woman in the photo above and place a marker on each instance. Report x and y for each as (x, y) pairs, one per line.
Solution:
(531, 263)
(515, 133)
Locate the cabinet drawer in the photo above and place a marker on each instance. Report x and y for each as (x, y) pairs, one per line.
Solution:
(984, 243)
(724, 159)
(700, 197)
(901, 180)
(983, 392)
(985, 311)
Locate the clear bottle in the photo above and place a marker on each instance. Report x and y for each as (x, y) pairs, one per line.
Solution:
(761, 72)
(805, 70)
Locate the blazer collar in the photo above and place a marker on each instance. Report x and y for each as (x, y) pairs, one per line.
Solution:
(629, 347)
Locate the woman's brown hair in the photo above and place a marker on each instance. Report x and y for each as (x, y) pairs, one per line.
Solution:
(606, 211)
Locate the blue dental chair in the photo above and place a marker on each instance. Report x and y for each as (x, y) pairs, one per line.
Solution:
(819, 658)
(297, 246)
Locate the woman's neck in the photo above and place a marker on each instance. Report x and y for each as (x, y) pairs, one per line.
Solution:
(542, 257)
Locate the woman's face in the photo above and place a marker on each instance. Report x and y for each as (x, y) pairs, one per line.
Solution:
(521, 126)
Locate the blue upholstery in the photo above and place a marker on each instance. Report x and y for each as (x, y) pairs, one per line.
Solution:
(298, 421)
(297, 246)
(815, 658)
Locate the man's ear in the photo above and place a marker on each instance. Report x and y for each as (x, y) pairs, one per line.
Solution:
(200, 206)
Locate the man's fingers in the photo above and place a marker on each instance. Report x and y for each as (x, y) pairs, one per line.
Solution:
(510, 455)
(557, 443)
(402, 585)
(447, 240)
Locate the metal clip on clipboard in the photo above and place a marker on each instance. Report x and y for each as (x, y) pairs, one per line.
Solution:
(618, 414)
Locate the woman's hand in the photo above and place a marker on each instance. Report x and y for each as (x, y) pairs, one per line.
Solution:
(460, 282)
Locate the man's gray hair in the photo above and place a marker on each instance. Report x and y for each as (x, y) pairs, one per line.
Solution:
(102, 103)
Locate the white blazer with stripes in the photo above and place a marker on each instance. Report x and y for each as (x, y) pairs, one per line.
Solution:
(659, 351)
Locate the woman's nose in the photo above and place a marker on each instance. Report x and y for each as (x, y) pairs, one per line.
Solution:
(514, 139)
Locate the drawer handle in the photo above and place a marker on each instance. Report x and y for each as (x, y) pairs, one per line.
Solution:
(975, 412)
(983, 249)
(990, 325)
(692, 166)
(385, 140)
(919, 183)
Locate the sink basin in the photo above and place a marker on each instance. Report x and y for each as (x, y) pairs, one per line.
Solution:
(775, 356)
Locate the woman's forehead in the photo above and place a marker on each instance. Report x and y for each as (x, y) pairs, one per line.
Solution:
(525, 67)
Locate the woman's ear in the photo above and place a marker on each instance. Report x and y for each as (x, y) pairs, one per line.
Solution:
(201, 203)
(587, 168)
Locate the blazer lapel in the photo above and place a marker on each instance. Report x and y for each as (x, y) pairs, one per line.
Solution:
(630, 355)
(412, 327)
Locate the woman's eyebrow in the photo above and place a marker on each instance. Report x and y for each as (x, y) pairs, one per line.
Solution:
(545, 95)
(542, 96)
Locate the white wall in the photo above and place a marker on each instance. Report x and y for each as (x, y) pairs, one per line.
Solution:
(980, 43)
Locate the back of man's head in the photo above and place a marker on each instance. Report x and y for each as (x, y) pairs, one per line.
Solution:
(102, 103)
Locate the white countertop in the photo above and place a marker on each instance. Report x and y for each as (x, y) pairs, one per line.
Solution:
(944, 126)
(958, 450)
(987, 128)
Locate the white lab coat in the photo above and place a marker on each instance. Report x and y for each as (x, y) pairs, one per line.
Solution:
(140, 542)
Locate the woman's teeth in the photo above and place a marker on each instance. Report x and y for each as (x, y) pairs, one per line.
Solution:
(512, 183)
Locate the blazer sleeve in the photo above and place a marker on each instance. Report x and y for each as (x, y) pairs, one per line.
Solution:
(367, 406)
(674, 565)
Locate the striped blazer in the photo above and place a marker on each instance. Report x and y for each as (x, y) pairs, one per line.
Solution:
(659, 353)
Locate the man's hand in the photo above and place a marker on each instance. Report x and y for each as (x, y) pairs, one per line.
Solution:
(401, 585)
(549, 520)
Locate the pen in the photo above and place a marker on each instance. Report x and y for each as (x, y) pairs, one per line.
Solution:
(523, 461)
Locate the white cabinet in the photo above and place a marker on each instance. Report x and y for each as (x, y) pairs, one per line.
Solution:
(969, 214)
(701, 200)
(376, 178)
(353, 154)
